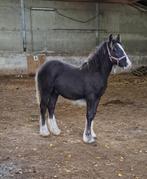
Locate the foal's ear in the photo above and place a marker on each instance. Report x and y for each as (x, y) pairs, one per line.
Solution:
(110, 38)
(118, 38)
(110, 41)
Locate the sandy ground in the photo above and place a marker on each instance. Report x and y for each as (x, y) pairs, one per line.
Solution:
(120, 124)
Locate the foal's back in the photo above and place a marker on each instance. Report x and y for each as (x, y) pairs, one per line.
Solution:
(54, 66)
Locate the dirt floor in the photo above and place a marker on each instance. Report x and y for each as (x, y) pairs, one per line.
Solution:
(120, 125)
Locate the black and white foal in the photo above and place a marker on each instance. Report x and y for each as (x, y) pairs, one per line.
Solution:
(87, 82)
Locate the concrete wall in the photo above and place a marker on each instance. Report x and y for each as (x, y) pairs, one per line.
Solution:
(54, 32)
(60, 35)
(10, 28)
(129, 22)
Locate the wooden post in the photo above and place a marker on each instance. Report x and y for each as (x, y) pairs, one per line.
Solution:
(34, 62)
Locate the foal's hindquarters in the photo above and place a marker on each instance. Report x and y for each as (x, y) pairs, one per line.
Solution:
(47, 99)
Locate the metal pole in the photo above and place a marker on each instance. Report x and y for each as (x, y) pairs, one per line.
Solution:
(31, 31)
(23, 25)
(97, 23)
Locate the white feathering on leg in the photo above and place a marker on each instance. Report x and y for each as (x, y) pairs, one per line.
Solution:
(43, 129)
(87, 139)
(92, 131)
(53, 126)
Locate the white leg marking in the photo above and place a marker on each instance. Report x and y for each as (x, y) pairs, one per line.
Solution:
(92, 131)
(87, 138)
(53, 126)
(128, 60)
(44, 129)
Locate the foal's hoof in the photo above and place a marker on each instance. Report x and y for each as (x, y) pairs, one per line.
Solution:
(44, 134)
(56, 132)
(44, 131)
(88, 139)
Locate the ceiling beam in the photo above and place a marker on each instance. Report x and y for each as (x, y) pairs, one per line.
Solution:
(100, 1)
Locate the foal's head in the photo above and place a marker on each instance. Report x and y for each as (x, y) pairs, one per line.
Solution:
(116, 53)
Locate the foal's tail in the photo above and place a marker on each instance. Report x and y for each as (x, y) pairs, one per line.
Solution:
(37, 88)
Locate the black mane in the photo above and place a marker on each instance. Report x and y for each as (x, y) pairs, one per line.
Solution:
(95, 59)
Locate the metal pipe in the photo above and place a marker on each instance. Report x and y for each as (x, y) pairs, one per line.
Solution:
(23, 24)
(97, 23)
(31, 31)
(43, 9)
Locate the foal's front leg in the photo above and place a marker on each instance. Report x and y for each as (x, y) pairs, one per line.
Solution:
(89, 135)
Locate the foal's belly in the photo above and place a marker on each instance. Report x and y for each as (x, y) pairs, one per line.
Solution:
(70, 89)
(69, 93)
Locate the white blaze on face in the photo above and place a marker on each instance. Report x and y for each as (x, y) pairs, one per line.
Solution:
(129, 63)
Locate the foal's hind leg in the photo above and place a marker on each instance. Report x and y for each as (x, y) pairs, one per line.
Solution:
(43, 126)
(52, 120)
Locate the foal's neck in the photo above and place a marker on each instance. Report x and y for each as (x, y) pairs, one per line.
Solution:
(99, 62)
(106, 65)
(106, 69)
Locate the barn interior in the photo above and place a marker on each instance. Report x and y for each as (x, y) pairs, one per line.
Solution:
(69, 30)
(34, 31)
